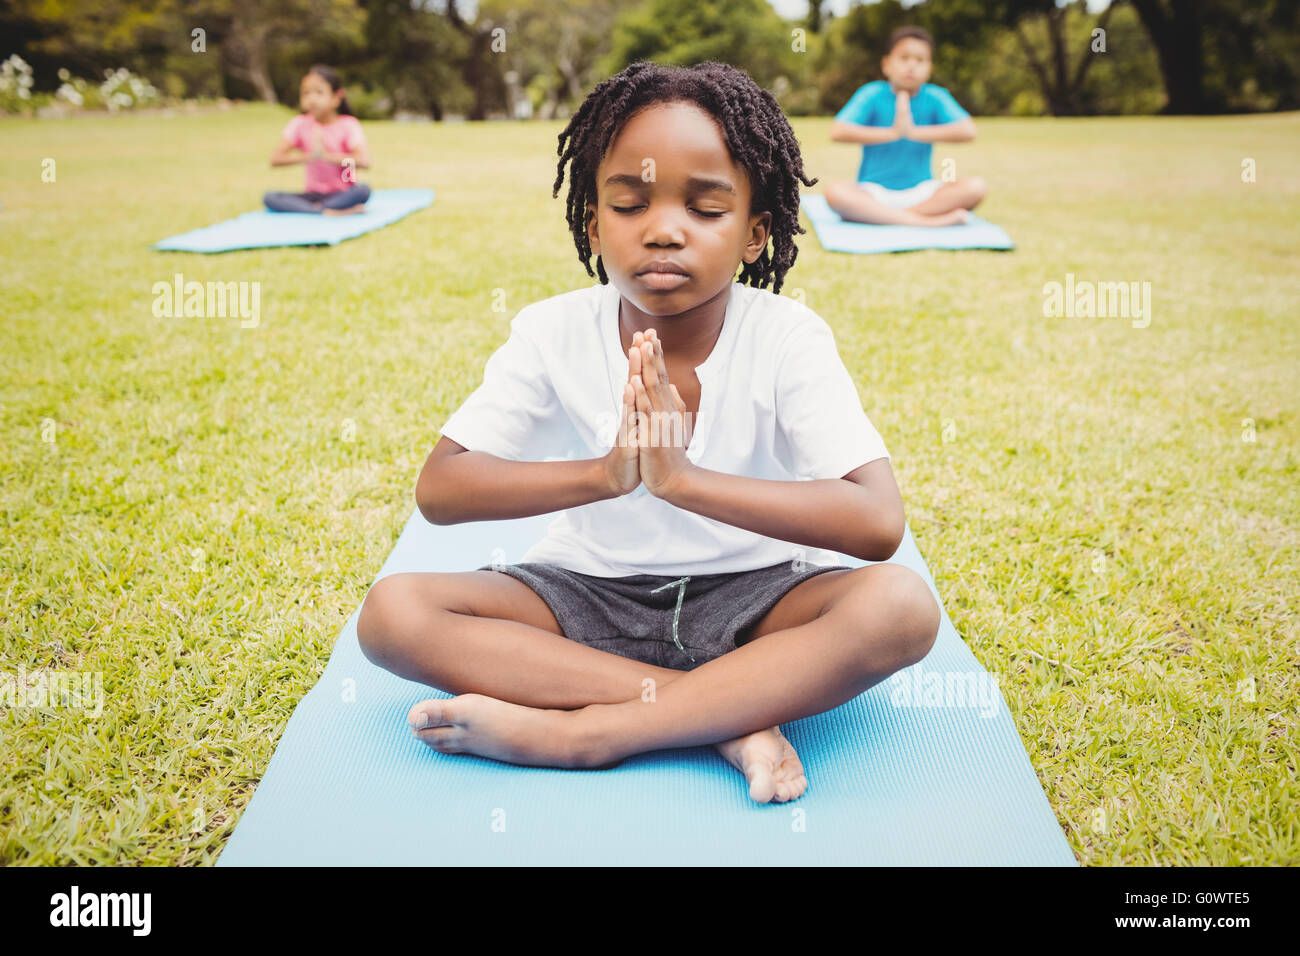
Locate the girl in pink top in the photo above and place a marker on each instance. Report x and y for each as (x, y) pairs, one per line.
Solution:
(327, 138)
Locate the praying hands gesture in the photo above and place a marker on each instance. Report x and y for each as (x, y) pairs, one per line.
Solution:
(903, 125)
(653, 429)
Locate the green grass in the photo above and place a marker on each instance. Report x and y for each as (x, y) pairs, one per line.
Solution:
(200, 528)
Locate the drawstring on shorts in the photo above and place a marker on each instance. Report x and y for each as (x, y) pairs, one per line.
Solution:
(677, 611)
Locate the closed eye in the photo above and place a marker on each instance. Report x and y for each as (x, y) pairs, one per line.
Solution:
(701, 212)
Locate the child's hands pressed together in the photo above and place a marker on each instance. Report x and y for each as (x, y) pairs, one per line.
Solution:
(622, 463)
(663, 429)
(903, 124)
(654, 429)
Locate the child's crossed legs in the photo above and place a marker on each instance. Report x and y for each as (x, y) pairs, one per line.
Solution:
(946, 207)
(531, 696)
(345, 202)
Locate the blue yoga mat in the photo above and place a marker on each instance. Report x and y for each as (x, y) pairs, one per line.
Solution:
(837, 235)
(899, 775)
(255, 230)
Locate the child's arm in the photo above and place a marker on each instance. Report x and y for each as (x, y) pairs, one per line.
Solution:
(458, 485)
(859, 514)
(960, 131)
(851, 123)
(286, 154)
(842, 132)
(355, 148)
(955, 131)
(360, 154)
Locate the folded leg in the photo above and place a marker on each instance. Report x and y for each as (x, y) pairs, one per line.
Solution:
(355, 195)
(962, 194)
(292, 202)
(488, 633)
(855, 204)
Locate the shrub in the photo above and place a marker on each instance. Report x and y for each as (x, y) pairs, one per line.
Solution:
(15, 85)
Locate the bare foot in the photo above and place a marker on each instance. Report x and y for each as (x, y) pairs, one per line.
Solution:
(958, 217)
(535, 737)
(769, 763)
(477, 724)
(350, 211)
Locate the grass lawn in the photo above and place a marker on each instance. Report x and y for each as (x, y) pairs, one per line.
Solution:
(193, 509)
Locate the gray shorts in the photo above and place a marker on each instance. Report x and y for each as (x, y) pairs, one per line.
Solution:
(637, 616)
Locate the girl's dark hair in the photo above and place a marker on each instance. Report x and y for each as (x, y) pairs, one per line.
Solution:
(755, 129)
(330, 76)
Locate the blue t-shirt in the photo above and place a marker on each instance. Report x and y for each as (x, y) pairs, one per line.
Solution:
(904, 162)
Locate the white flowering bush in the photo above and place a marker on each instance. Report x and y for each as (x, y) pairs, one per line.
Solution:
(120, 89)
(15, 84)
(72, 89)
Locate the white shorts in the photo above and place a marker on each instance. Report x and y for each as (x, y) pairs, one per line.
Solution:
(902, 198)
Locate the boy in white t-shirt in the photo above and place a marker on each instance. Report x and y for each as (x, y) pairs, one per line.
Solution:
(706, 448)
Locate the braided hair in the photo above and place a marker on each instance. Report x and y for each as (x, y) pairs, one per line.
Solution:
(756, 132)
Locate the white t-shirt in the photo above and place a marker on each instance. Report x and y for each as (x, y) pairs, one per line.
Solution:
(776, 402)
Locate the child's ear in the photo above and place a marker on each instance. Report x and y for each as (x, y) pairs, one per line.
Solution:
(760, 230)
(593, 235)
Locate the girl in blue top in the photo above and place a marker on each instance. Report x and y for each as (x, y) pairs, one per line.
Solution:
(678, 177)
(896, 122)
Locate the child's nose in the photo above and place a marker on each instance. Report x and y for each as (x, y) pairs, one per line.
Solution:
(664, 225)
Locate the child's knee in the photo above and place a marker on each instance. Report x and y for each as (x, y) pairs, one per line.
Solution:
(915, 613)
(281, 202)
(977, 187)
(380, 612)
(836, 193)
(904, 613)
(922, 618)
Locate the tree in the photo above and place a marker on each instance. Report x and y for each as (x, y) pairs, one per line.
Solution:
(1061, 84)
(816, 17)
(255, 30)
(1177, 28)
(1253, 55)
(555, 47)
(90, 35)
(414, 53)
(1221, 54)
(748, 34)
